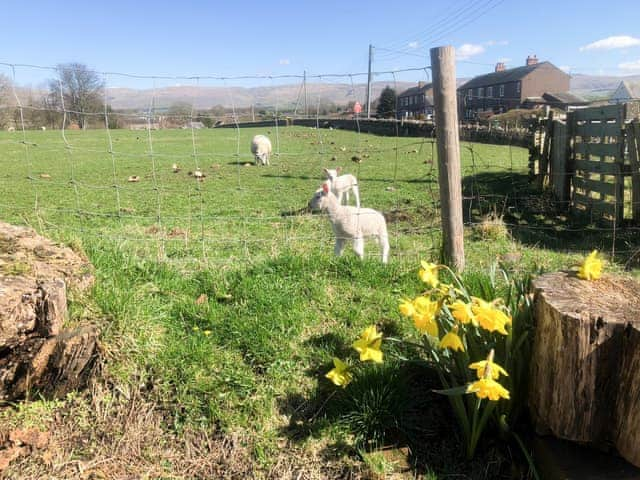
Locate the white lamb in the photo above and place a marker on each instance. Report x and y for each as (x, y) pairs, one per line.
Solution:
(351, 223)
(261, 149)
(341, 184)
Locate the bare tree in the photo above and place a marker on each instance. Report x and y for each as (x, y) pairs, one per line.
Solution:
(5, 110)
(81, 89)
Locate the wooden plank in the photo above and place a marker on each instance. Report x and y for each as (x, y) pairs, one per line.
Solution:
(599, 113)
(598, 130)
(595, 205)
(591, 185)
(598, 149)
(559, 157)
(594, 166)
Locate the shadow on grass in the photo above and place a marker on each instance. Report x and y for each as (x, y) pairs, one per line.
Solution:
(533, 217)
(390, 407)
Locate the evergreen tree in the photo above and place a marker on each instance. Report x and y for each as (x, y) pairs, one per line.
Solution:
(387, 103)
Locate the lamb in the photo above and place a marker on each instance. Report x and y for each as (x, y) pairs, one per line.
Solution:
(341, 184)
(351, 223)
(261, 149)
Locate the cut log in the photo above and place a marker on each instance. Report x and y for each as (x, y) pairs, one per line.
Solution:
(585, 367)
(35, 352)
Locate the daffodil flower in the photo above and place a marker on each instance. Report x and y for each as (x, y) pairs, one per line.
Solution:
(429, 274)
(461, 311)
(489, 317)
(406, 308)
(339, 375)
(206, 332)
(452, 340)
(495, 370)
(591, 268)
(368, 346)
(424, 316)
(488, 388)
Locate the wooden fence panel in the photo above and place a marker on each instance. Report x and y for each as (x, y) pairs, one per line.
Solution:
(598, 152)
(633, 142)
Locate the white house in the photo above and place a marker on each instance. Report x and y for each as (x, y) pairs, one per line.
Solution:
(627, 91)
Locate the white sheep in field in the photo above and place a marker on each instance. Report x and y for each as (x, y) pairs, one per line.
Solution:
(351, 223)
(341, 184)
(261, 149)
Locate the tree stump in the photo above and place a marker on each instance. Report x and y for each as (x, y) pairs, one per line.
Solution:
(35, 350)
(585, 367)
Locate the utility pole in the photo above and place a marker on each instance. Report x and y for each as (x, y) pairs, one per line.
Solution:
(369, 82)
(304, 86)
(443, 67)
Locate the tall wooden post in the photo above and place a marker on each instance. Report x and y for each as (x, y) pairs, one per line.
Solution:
(443, 67)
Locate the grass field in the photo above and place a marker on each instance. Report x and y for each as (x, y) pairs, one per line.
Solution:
(234, 382)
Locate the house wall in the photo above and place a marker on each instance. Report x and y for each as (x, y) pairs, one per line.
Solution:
(546, 78)
(415, 109)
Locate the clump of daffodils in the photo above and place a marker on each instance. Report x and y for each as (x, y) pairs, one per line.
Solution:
(591, 268)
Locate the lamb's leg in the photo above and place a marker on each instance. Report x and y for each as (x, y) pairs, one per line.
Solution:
(340, 198)
(337, 250)
(384, 246)
(346, 194)
(356, 193)
(358, 246)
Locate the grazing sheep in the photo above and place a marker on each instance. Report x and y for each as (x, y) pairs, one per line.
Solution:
(341, 184)
(351, 223)
(261, 149)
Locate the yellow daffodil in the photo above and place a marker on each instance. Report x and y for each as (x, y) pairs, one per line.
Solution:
(406, 308)
(452, 340)
(461, 311)
(488, 388)
(495, 370)
(424, 316)
(195, 328)
(340, 375)
(206, 332)
(368, 346)
(429, 274)
(591, 268)
(489, 317)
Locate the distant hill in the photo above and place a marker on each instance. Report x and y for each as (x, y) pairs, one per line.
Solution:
(286, 96)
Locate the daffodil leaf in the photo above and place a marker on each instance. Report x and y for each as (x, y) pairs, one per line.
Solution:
(454, 391)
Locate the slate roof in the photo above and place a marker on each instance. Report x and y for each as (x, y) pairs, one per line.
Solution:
(633, 88)
(416, 90)
(564, 97)
(510, 75)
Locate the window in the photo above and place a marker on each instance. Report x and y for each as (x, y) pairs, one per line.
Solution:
(480, 92)
(470, 93)
(518, 85)
(501, 91)
(489, 92)
(410, 100)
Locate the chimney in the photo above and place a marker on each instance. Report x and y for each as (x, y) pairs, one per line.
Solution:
(500, 67)
(532, 60)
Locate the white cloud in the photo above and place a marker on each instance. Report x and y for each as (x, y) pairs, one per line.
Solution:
(635, 65)
(468, 50)
(413, 45)
(565, 68)
(496, 43)
(284, 61)
(610, 43)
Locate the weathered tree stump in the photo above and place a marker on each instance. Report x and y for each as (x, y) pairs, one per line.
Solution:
(35, 351)
(585, 382)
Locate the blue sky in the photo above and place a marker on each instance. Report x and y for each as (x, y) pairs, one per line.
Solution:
(273, 38)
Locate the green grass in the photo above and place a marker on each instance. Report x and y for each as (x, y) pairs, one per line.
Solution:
(278, 305)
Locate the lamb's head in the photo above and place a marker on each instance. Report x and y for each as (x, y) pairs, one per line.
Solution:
(331, 174)
(319, 200)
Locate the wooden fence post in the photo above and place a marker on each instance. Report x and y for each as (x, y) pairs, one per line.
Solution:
(443, 67)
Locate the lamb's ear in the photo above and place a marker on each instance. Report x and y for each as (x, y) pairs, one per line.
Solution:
(325, 171)
(325, 188)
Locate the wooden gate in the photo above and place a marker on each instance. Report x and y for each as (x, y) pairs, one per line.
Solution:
(599, 162)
